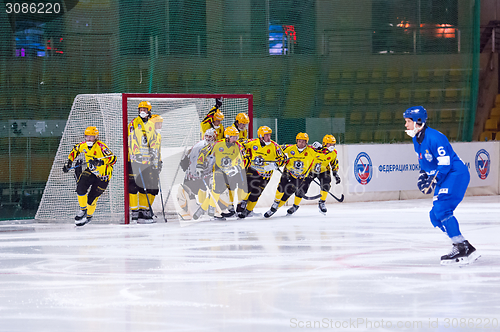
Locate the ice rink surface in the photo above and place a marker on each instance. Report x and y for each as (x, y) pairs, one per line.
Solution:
(363, 267)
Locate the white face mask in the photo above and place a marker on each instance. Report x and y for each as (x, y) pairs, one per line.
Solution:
(414, 131)
(143, 114)
(331, 148)
(90, 144)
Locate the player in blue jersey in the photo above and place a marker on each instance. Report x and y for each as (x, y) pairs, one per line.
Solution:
(441, 169)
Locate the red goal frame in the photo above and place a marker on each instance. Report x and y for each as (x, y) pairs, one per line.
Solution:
(126, 96)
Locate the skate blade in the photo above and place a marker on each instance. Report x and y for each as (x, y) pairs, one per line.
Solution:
(146, 221)
(323, 213)
(80, 224)
(462, 261)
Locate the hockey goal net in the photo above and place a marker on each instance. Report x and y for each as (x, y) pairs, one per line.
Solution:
(111, 113)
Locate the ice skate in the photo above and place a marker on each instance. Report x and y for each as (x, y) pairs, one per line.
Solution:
(135, 215)
(230, 212)
(272, 210)
(85, 220)
(146, 217)
(292, 210)
(245, 213)
(322, 207)
(241, 206)
(80, 215)
(461, 254)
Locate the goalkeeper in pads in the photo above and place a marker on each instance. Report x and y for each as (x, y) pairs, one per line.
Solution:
(194, 180)
(94, 180)
(144, 150)
(213, 119)
(441, 169)
(326, 161)
(265, 156)
(228, 170)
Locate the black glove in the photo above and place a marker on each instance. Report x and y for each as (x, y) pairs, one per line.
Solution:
(67, 166)
(337, 177)
(218, 102)
(426, 183)
(96, 162)
(160, 166)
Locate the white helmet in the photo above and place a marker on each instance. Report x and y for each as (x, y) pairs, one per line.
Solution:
(210, 135)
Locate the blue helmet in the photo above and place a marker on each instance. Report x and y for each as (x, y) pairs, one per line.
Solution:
(417, 113)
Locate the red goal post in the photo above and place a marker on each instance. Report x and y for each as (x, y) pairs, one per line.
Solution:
(232, 105)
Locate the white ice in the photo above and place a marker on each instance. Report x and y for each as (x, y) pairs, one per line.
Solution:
(363, 267)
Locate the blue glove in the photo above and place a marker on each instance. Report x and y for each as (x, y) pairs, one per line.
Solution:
(426, 183)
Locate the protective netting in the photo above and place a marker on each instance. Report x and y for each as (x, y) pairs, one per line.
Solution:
(347, 68)
(181, 130)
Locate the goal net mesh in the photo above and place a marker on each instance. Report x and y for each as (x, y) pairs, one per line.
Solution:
(181, 130)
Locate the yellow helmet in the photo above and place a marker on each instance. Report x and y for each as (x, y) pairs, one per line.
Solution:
(231, 131)
(303, 136)
(263, 130)
(156, 118)
(242, 118)
(329, 139)
(146, 104)
(218, 116)
(91, 131)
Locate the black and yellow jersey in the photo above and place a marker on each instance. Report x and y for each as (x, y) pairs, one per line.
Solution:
(99, 150)
(225, 155)
(243, 134)
(325, 160)
(208, 122)
(255, 149)
(299, 163)
(144, 145)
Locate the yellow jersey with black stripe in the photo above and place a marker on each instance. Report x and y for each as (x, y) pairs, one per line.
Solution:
(260, 155)
(99, 150)
(208, 122)
(143, 141)
(243, 134)
(325, 160)
(299, 163)
(226, 155)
